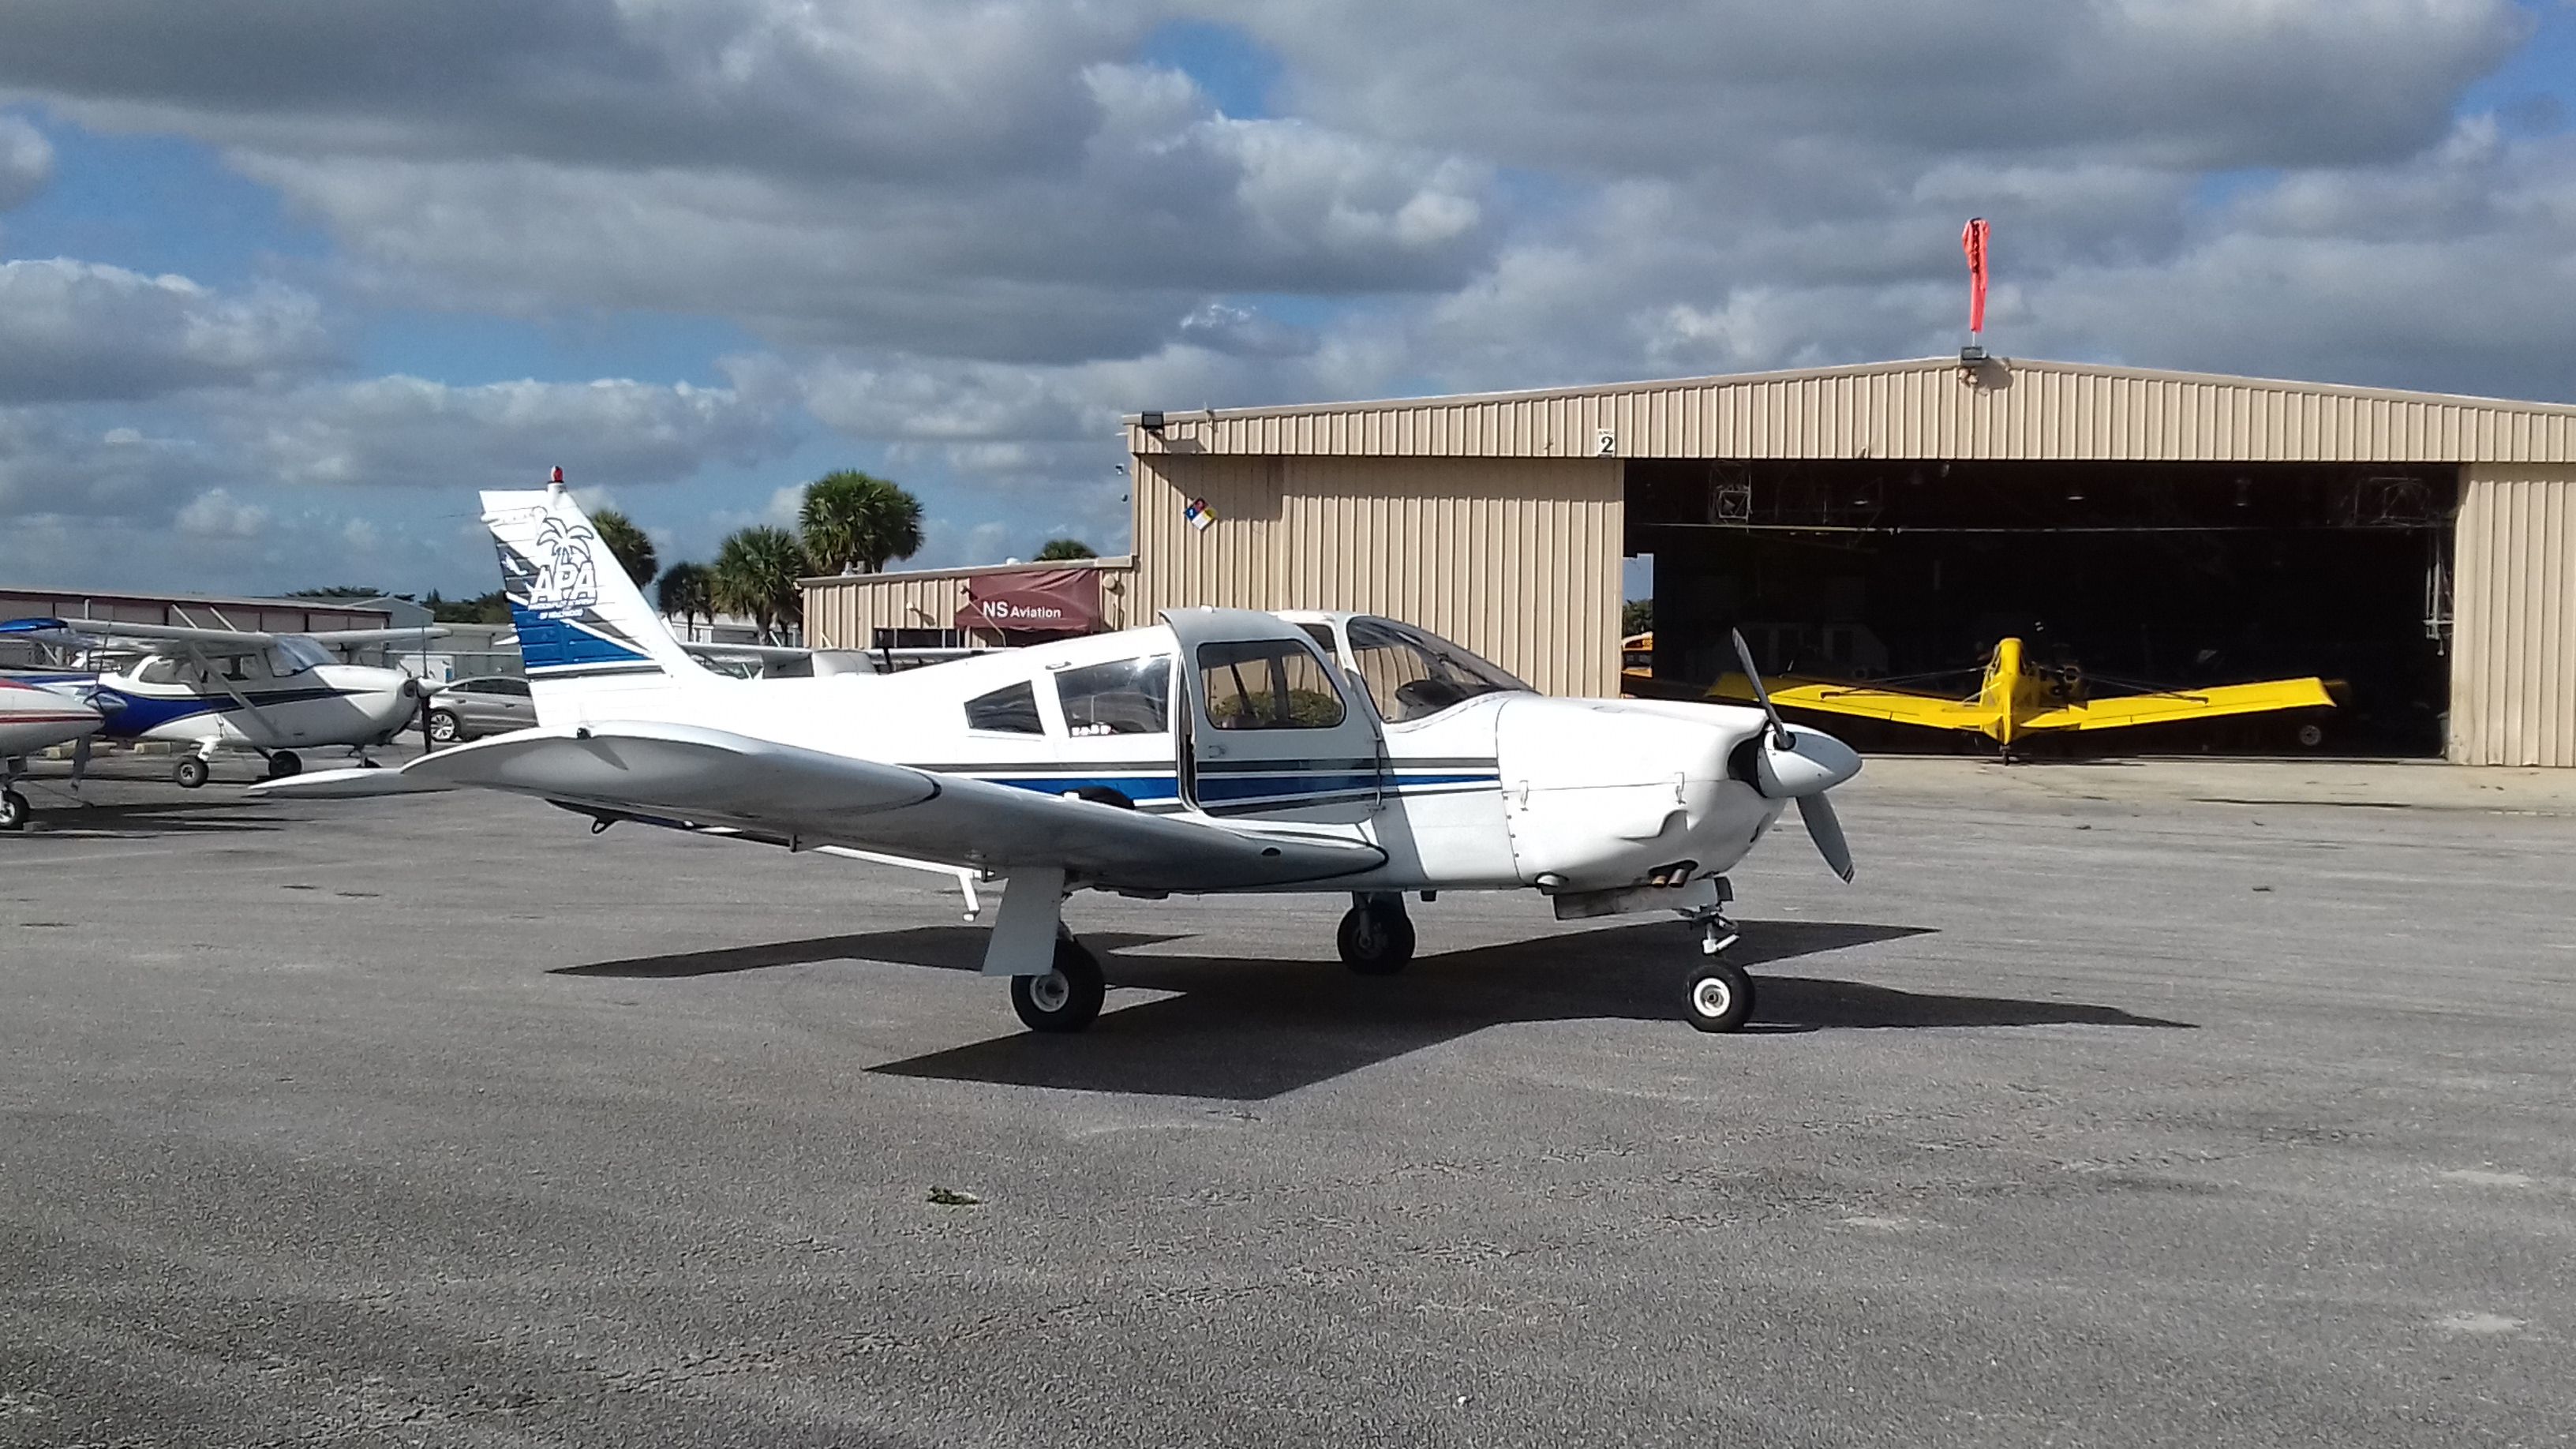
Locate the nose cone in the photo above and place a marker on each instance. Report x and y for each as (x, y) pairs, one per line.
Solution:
(1811, 763)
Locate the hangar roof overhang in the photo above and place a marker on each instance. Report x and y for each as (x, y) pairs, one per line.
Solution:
(1938, 407)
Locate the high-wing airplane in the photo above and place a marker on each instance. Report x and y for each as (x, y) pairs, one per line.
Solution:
(275, 694)
(2019, 696)
(1222, 750)
(33, 719)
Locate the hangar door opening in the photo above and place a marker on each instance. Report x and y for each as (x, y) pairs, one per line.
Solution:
(2163, 574)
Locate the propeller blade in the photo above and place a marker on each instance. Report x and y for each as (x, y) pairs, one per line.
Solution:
(1744, 657)
(1826, 829)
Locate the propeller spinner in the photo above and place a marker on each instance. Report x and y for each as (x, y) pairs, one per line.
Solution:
(1801, 765)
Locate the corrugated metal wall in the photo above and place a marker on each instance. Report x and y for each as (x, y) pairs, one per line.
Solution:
(845, 613)
(2513, 602)
(1518, 560)
(1921, 409)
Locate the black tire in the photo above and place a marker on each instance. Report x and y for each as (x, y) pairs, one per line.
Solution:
(15, 812)
(285, 763)
(1375, 940)
(1066, 998)
(1718, 997)
(191, 772)
(444, 728)
(2311, 735)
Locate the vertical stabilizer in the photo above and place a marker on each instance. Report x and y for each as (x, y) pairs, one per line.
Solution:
(583, 626)
(2003, 692)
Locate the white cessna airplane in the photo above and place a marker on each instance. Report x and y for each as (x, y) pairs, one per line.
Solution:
(211, 689)
(1222, 750)
(33, 719)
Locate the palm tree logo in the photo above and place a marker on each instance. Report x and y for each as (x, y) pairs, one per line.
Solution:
(566, 576)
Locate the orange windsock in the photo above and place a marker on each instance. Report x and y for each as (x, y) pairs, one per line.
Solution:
(1972, 240)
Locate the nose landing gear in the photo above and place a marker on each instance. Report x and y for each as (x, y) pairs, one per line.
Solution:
(1717, 996)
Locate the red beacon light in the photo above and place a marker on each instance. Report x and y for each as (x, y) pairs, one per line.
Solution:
(558, 476)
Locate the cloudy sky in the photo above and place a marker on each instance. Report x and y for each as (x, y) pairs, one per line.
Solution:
(283, 281)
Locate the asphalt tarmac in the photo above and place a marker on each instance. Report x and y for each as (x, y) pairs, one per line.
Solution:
(2182, 1104)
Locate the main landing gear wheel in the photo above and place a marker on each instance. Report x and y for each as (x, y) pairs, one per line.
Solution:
(1066, 998)
(1376, 938)
(1719, 996)
(191, 772)
(283, 764)
(14, 810)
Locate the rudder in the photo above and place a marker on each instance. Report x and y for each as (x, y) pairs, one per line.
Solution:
(582, 624)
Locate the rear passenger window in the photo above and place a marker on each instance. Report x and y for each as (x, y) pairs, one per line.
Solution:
(1130, 697)
(1267, 684)
(1012, 711)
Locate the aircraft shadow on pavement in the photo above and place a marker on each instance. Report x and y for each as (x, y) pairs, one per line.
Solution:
(1250, 1029)
(144, 821)
(1243, 1029)
(959, 948)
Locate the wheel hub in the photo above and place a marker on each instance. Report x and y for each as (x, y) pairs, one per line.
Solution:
(1051, 992)
(1711, 997)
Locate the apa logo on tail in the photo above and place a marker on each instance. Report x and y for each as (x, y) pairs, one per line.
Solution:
(566, 577)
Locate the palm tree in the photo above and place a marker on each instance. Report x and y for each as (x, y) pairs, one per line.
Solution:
(684, 591)
(633, 550)
(1058, 549)
(755, 575)
(854, 522)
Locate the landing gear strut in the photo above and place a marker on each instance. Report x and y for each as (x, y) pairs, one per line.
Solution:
(1717, 996)
(1376, 936)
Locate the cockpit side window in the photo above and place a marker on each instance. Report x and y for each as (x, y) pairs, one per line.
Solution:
(1267, 684)
(291, 656)
(1129, 697)
(1410, 674)
(1010, 711)
(159, 669)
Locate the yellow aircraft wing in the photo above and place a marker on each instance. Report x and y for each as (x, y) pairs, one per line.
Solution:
(2121, 711)
(1835, 697)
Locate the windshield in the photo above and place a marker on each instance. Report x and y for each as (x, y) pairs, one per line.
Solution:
(293, 655)
(1411, 674)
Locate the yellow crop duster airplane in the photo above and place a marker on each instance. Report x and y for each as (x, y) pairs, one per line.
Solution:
(2020, 696)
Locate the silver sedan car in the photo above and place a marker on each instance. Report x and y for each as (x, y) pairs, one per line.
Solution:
(463, 709)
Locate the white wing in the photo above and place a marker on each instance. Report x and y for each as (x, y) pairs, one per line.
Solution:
(216, 642)
(697, 776)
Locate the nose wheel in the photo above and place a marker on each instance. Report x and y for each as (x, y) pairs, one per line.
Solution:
(1717, 996)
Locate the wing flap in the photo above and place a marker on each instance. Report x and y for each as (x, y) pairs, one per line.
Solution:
(2176, 705)
(714, 777)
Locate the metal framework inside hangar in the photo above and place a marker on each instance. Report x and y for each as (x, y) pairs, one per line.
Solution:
(1893, 520)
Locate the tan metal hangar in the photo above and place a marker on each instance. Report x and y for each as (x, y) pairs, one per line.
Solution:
(1882, 520)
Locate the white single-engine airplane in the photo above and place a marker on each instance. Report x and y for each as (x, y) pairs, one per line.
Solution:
(210, 689)
(33, 719)
(1222, 750)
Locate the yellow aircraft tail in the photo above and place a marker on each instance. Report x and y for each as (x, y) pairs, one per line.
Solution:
(2004, 689)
